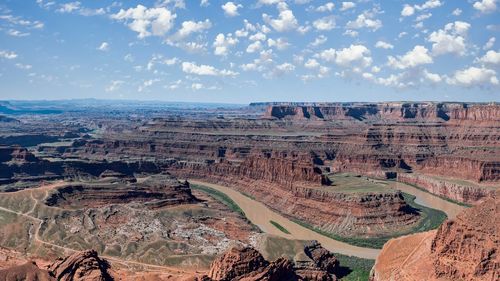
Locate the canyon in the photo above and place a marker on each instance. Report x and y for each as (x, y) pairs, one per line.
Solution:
(159, 186)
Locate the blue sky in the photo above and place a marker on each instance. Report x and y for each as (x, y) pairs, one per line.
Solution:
(242, 51)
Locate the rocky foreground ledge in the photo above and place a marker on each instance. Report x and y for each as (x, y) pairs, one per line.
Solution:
(238, 263)
(467, 248)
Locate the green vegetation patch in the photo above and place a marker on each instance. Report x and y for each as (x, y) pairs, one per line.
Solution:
(280, 227)
(354, 268)
(430, 219)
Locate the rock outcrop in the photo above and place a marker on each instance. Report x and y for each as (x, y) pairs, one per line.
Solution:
(244, 263)
(466, 248)
(26, 272)
(81, 266)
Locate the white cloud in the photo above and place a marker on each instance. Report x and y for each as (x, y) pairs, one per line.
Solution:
(222, 44)
(231, 9)
(188, 28)
(432, 77)
(24, 66)
(430, 4)
(17, 33)
(327, 7)
(114, 85)
(350, 32)
(491, 57)
(311, 64)
(407, 10)
(325, 23)
(205, 70)
(254, 47)
(320, 40)
(485, 6)
(69, 7)
(451, 39)
(418, 56)
(204, 3)
(383, 45)
(365, 20)
(410, 10)
(147, 22)
(285, 67)
(489, 44)
(347, 6)
(196, 86)
(457, 12)
(103, 47)
(280, 43)
(286, 21)
(259, 36)
(474, 76)
(8, 55)
(353, 56)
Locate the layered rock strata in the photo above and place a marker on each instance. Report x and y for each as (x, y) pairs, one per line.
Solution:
(466, 248)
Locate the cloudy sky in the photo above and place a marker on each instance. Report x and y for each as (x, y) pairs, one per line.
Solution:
(241, 51)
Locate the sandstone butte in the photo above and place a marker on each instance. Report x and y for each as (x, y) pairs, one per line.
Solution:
(467, 248)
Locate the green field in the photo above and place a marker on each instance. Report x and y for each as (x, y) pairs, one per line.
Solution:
(350, 183)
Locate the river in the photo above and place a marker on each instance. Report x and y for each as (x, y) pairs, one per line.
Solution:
(260, 215)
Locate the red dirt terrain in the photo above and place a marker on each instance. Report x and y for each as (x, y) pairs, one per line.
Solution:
(467, 248)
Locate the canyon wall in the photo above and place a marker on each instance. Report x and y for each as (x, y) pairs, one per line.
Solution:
(466, 248)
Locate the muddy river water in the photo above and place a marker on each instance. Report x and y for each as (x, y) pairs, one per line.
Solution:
(260, 215)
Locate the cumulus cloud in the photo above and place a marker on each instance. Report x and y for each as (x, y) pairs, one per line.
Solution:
(418, 56)
(205, 70)
(485, 6)
(254, 47)
(473, 76)
(489, 44)
(222, 44)
(353, 56)
(280, 43)
(347, 6)
(325, 23)
(103, 47)
(8, 55)
(491, 57)
(409, 10)
(327, 7)
(365, 20)
(188, 28)
(286, 21)
(383, 45)
(451, 39)
(147, 21)
(320, 40)
(231, 9)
